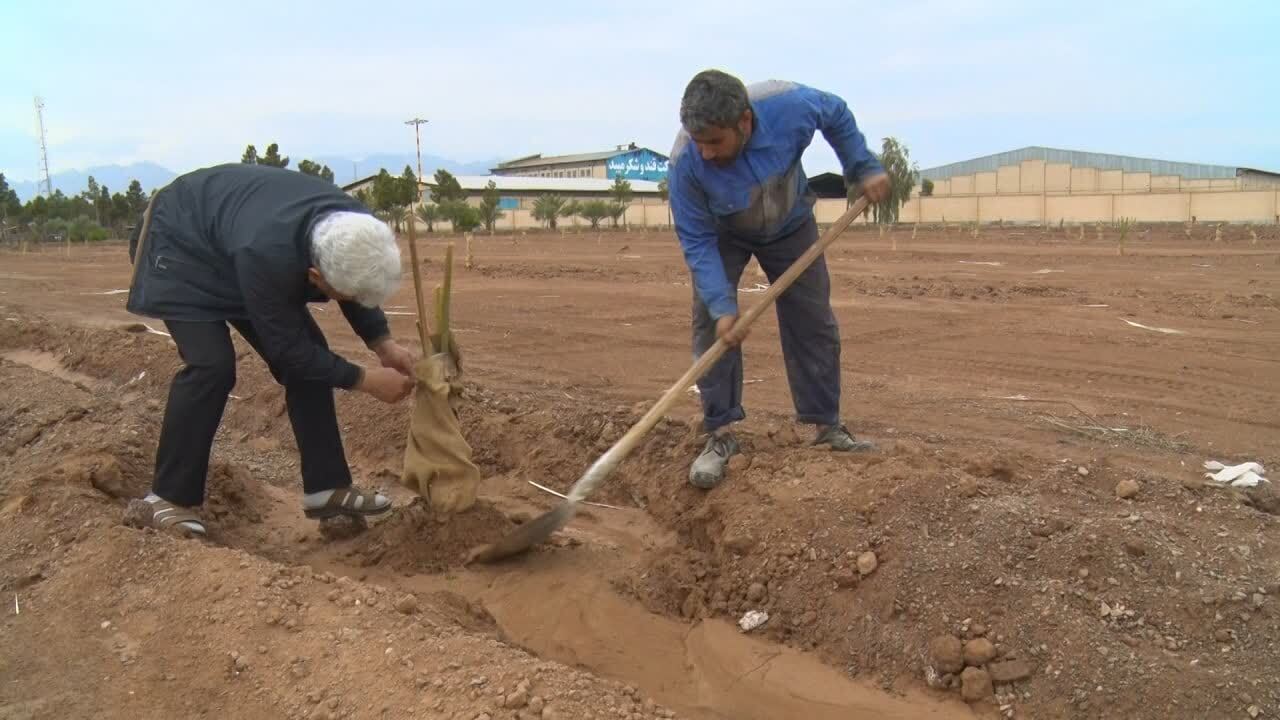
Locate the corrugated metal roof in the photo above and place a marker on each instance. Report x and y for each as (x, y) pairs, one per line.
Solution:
(356, 183)
(1102, 161)
(508, 183)
(538, 160)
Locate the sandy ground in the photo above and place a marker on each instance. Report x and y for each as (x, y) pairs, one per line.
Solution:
(1012, 395)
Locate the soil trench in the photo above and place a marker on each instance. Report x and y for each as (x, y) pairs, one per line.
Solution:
(562, 609)
(562, 605)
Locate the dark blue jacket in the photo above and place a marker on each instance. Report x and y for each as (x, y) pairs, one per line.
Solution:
(234, 242)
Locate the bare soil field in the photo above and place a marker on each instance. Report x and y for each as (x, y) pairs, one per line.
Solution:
(1035, 538)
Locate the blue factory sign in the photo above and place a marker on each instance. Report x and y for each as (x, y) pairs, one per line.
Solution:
(637, 165)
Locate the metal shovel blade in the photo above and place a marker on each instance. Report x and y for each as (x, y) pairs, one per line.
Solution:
(534, 532)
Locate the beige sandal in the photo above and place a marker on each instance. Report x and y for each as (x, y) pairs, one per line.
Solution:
(164, 515)
(350, 502)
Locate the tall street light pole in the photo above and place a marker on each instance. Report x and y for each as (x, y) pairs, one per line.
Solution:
(417, 141)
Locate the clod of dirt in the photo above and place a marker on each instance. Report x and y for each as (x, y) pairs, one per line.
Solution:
(1127, 489)
(1135, 547)
(975, 685)
(739, 464)
(1050, 527)
(15, 505)
(342, 527)
(1009, 671)
(978, 652)
(406, 604)
(516, 700)
(107, 478)
(947, 653)
(755, 593)
(264, 444)
(786, 436)
(415, 538)
(738, 540)
(845, 578)
(991, 466)
(867, 563)
(1263, 498)
(235, 497)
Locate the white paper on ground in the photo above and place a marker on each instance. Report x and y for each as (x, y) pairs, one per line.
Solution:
(1243, 475)
(1167, 331)
(753, 619)
(1227, 473)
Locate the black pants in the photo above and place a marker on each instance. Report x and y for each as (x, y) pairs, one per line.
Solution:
(806, 324)
(198, 396)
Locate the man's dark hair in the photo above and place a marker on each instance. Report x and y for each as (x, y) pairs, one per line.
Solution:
(713, 99)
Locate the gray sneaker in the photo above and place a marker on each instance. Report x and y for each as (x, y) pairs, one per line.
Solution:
(708, 469)
(840, 439)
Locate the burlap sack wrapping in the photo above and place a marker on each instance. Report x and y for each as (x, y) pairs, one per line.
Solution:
(437, 459)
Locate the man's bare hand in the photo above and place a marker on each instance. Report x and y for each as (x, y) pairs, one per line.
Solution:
(877, 188)
(394, 355)
(386, 384)
(725, 331)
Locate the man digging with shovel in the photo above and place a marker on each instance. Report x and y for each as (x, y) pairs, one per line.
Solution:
(737, 191)
(741, 195)
(249, 246)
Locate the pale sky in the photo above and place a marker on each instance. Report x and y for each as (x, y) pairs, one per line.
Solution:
(186, 84)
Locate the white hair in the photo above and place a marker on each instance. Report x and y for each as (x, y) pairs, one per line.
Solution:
(357, 254)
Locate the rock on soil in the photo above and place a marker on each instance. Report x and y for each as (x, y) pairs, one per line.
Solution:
(738, 540)
(407, 604)
(1127, 489)
(1009, 671)
(947, 654)
(975, 685)
(978, 652)
(867, 563)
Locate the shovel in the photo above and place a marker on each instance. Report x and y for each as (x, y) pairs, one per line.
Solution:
(539, 529)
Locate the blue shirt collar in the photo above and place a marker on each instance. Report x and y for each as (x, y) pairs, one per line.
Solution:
(760, 136)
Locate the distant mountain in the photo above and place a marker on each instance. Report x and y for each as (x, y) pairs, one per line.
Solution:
(115, 177)
(342, 167)
(152, 176)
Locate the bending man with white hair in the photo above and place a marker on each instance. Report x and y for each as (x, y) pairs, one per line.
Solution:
(249, 246)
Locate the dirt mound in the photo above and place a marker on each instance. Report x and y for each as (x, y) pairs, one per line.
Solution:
(416, 539)
(560, 271)
(112, 622)
(232, 497)
(990, 519)
(136, 623)
(909, 288)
